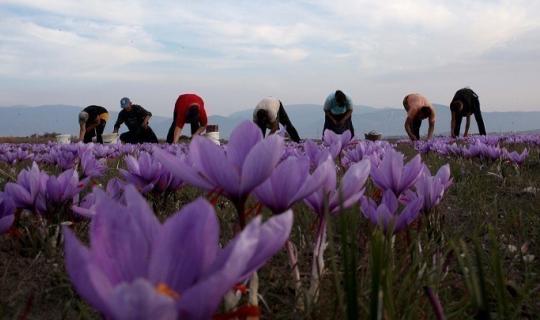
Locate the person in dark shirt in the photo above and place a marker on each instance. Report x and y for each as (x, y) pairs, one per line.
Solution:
(136, 119)
(92, 121)
(338, 109)
(464, 104)
(189, 108)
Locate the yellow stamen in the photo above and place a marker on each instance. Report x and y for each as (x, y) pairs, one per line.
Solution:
(165, 290)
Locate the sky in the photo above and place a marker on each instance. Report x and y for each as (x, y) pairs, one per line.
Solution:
(234, 53)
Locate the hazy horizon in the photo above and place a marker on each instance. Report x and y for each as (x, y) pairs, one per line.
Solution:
(235, 53)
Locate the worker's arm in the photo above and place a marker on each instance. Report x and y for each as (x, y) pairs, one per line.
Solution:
(408, 129)
(200, 130)
(119, 122)
(329, 115)
(346, 117)
(431, 128)
(275, 127)
(177, 134)
(82, 131)
(467, 126)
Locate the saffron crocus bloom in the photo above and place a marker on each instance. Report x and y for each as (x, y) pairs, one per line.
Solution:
(147, 174)
(316, 155)
(29, 190)
(142, 172)
(343, 196)
(91, 166)
(63, 188)
(392, 175)
(386, 214)
(87, 207)
(431, 189)
(290, 182)
(336, 142)
(7, 210)
(517, 158)
(247, 161)
(137, 268)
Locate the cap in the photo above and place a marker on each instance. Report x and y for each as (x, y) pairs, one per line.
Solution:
(125, 102)
(83, 117)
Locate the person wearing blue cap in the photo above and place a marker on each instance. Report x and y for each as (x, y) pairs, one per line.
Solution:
(136, 119)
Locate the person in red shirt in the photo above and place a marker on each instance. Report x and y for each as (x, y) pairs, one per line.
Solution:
(189, 108)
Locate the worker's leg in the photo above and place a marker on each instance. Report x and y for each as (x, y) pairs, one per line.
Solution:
(284, 120)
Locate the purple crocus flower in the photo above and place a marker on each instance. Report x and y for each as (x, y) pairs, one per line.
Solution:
(147, 174)
(392, 175)
(137, 268)
(290, 182)
(336, 142)
(343, 196)
(247, 161)
(63, 188)
(316, 154)
(431, 189)
(517, 158)
(29, 190)
(92, 167)
(7, 210)
(115, 190)
(385, 215)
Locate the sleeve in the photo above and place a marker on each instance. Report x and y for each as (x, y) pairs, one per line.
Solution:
(119, 120)
(146, 112)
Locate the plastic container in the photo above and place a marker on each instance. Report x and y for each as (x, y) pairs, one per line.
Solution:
(110, 138)
(63, 138)
(214, 136)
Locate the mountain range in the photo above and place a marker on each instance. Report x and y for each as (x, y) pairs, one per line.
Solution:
(307, 118)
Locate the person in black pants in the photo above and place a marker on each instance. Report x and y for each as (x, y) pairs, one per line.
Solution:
(338, 110)
(464, 104)
(92, 121)
(136, 119)
(269, 113)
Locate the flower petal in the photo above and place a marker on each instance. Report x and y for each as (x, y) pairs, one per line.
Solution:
(186, 246)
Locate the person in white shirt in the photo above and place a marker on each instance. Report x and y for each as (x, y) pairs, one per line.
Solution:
(269, 113)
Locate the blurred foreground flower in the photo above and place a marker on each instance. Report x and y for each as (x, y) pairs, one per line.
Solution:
(7, 210)
(137, 268)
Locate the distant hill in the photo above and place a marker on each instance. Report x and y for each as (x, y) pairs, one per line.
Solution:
(307, 118)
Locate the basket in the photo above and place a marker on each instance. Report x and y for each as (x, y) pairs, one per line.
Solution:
(63, 138)
(373, 136)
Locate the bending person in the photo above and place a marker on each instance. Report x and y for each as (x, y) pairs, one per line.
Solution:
(92, 121)
(465, 103)
(136, 119)
(269, 113)
(418, 108)
(189, 108)
(337, 113)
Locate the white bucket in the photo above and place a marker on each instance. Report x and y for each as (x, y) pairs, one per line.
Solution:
(63, 138)
(214, 136)
(110, 138)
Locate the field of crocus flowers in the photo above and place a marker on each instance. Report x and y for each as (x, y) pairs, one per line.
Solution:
(264, 228)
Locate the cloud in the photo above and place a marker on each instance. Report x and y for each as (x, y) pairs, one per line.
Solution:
(319, 44)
